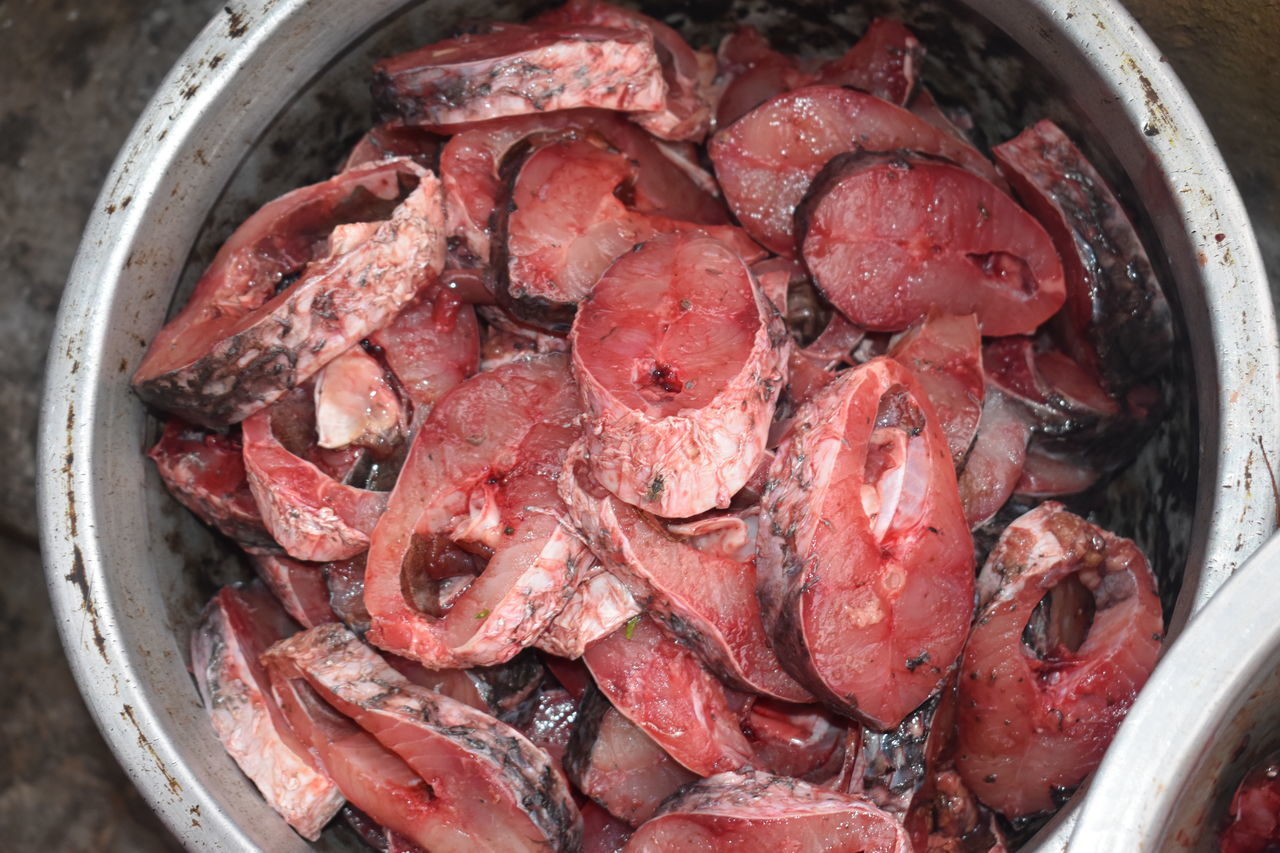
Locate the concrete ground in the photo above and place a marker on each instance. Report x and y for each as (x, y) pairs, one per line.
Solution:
(73, 76)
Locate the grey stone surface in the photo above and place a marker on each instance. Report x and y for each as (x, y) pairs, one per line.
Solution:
(73, 75)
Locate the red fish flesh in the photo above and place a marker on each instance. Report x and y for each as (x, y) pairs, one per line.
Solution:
(356, 405)
(516, 69)
(237, 626)
(680, 359)
(617, 765)
(1254, 815)
(705, 600)
(944, 351)
(564, 224)
(1116, 321)
(1033, 722)
(887, 237)
(393, 139)
(515, 417)
(865, 560)
(471, 163)
(205, 472)
(994, 466)
(662, 688)
(766, 160)
(753, 73)
(685, 115)
(299, 587)
(754, 812)
(802, 741)
(599, 606)
(490, 789)
(886, 62)
(431, 346)
(311, 515)
(359, 247)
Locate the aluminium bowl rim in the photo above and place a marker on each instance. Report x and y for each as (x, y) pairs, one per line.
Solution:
(166, 128)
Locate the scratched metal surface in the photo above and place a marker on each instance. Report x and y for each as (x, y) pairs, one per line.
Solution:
(76, 77)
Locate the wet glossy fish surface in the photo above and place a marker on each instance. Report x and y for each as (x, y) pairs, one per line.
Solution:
(620, 436)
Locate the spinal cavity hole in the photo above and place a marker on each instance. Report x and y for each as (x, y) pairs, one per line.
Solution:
(1061, 621)
(1010, 270)
(657, 381)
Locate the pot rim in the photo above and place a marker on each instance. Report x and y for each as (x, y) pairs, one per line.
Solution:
(1237, 358)
(1176, 721)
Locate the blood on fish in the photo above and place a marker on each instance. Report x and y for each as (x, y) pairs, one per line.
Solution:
(683, 306)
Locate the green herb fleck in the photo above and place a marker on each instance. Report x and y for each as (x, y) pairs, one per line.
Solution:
(631, 626)
(483, 614)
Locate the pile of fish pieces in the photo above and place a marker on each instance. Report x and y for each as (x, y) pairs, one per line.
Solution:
(600, 499)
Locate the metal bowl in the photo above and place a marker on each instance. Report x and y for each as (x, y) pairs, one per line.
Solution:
(267, 98)
(1209, 714)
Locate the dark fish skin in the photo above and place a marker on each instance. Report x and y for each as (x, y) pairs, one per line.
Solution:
(755, 812)
(1117, 319)
(615, 763)
(441, 738)
(512, 689)
(238, 346)
(518, 69)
